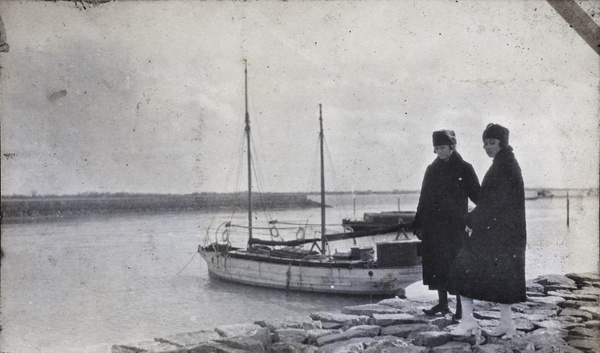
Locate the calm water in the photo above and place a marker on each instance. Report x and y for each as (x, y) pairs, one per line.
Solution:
(82, 285)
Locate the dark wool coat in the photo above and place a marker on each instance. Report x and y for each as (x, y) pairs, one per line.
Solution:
(491, 265)
(443, 205)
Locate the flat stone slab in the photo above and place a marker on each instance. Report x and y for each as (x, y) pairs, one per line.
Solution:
(431, 339)
(574, 296)
(370, 330)
(453, 347)
(233, 345)
(487, 315)
(585, 315)
(148, 347)
(407, 349)
(337, 337)
(586, 344)
(236, 330)
(588, 290)
(350, 345)
(570, 322)
(548, 324)
(584, 277)
(534, 287)
(585, 332)
(406, 329)
(553, 282)
(531, 317)
(344, 319)
(554, 300)
(594, 310)
(303, 322)
(313, 335)
(189, 338)
(284, 347)
(491, 348)
(395, 319)
(593, 324)
(545, 340)
(574, 304)
(331, 325)
(386, 344)
(369, 310)
(288, 335)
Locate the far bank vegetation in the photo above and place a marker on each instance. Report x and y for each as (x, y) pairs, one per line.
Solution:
(31, 208)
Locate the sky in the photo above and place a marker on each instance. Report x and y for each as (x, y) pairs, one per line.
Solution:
(148, 97)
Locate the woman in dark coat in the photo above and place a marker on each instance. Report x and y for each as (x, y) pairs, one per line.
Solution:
(448, 184)
(491, 265)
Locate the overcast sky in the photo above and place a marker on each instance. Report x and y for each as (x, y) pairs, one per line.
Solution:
(149, 96)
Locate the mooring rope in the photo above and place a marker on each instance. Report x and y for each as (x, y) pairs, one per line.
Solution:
(186, 265)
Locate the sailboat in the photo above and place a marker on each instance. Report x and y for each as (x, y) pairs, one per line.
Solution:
(384, 268)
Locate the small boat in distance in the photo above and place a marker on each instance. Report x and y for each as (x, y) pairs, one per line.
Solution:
(378, 221)
(306, 264)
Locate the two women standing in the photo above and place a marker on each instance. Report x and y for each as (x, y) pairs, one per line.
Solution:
(490, 264)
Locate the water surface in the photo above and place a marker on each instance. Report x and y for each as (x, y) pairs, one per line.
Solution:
(83, 285)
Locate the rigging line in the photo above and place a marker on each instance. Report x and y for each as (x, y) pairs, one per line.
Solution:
(311, 181)
(315, 185)
(334, 175)
(227, 180)
(260, 181)
(313, 178)
(264, 228)
(186, 265)
(304, 224)
(257, 161)
(232, 170)
(258, 178)
(238, 155)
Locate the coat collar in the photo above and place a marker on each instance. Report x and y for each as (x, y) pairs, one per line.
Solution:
(455, 158)
(504, 153)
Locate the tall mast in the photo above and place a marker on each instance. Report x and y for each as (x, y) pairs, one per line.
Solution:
(321, 137)
(249, 155)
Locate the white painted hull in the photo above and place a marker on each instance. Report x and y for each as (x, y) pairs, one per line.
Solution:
(310, 275)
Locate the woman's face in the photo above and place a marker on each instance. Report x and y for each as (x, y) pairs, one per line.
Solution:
(491, 147)
(443, 151)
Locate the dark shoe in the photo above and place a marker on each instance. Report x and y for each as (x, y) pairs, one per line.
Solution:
(438, 309)
(456, 316)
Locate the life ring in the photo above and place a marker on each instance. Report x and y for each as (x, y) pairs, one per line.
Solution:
(300, 233)
(225, 235)
(276, 232)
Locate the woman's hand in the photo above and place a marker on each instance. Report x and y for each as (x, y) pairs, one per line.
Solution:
(418, 232)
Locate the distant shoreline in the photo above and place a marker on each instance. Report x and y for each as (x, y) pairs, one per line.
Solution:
(25, 209)
(35, 209)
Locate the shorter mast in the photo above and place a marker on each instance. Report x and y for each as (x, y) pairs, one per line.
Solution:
(247, 119)
(321, 137)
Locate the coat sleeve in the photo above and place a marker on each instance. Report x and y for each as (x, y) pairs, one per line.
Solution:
(472, 185)
(500, 197)
(418, 221)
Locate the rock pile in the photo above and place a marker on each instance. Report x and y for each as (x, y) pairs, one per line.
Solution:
(562, 314)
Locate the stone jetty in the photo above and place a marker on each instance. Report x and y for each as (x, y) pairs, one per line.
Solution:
(561, 314)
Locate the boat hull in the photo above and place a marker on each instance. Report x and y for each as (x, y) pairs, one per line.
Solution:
(309, 275)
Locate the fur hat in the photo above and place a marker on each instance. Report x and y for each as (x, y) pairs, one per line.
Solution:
(444, 137)
(495, 131)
